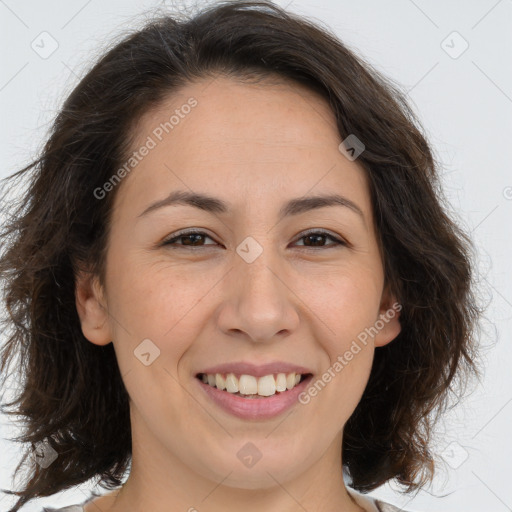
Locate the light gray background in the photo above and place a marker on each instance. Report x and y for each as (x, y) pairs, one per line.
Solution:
(465, 104)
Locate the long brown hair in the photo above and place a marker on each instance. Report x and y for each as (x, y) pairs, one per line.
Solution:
(72, 395)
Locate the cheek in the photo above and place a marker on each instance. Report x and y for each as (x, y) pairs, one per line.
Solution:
(347, 300)
(162, 307)
(156, 303)
(153, 294)
(348, 307)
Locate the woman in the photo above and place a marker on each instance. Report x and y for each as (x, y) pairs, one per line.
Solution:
(233, 275)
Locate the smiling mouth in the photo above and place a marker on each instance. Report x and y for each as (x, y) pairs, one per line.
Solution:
(248, 386)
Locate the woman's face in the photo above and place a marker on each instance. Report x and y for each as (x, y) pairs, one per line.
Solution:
(252, 288)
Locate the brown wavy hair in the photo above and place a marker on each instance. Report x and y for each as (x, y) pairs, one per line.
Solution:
(71, 393)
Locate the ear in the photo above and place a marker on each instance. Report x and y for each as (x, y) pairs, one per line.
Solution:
(388, 321)
(92, 309)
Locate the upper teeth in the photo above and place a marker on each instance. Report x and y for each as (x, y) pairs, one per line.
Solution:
(250, 385)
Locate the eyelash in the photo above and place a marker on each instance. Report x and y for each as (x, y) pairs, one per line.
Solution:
(179, 235)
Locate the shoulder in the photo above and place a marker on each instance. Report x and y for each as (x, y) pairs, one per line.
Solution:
(78, 507)
(381, 506)
(386, 507)
(372, 504)
(71, 508)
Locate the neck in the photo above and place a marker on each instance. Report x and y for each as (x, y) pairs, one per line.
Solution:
(160, 481)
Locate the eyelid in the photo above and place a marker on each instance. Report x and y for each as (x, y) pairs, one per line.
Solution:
(337, 240)
(185, 232)
(321, 231)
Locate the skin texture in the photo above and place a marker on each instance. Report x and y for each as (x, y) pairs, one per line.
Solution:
(254, 146)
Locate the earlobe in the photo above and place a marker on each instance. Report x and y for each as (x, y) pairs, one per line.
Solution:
(388, 322)
(91, 309)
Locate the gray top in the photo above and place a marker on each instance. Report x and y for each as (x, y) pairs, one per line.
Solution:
(370, 504)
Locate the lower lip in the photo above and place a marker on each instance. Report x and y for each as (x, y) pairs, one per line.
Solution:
(255, 408)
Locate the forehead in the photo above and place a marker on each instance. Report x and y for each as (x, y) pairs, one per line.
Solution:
(242, 141)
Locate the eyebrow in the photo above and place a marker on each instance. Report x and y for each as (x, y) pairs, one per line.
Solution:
(214, 205)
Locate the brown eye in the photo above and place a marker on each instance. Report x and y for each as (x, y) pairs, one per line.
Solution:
(188, 239)
(316, 239)
(313, 239)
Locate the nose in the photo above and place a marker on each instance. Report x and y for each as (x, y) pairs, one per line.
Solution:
(259, 303)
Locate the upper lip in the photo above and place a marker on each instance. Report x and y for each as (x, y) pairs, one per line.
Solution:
(243, 368)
